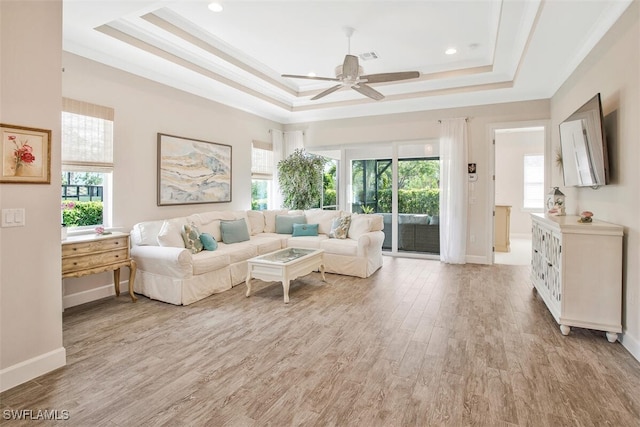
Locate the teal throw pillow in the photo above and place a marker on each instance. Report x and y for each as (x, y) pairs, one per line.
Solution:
(284, 223)
(191, 237)
(340, 227)
(234, 231)
(305, 230)
(208, 242)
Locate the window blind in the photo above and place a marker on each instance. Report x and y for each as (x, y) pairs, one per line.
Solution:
(87, 136)
(261, 160)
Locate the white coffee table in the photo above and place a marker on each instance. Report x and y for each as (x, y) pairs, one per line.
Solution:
(285, 265)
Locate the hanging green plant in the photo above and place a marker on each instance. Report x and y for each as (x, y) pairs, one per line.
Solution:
(300, 179)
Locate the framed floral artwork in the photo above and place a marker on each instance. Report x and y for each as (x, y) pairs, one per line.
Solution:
(26, 155)
(191, 171)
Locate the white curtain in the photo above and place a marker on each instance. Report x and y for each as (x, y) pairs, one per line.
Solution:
(276, 200)
(293, 140)
(453, 190)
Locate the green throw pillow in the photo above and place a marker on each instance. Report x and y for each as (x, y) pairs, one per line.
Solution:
(340, 227)
(191, 237)
(305, 230)
(284, 223)
(234, 231)
(208, 242)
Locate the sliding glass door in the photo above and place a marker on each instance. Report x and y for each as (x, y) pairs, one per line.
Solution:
(402, 185)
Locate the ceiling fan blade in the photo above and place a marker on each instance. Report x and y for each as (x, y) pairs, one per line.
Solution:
(368, 91)
(328, 79)
(391, 77)
(350, 67)
(326, 92)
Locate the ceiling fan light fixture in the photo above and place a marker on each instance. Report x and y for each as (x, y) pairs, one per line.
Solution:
(215, 7)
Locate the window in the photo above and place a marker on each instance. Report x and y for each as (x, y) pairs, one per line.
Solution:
(261, 174)
(87, 164)
(533, 181)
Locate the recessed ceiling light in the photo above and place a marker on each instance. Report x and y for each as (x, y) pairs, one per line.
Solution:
(451, 51)
(311, 74)
(215, 7)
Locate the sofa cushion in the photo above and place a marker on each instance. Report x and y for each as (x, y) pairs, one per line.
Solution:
(322, 218)
(340, 227)
(284, 223)
(207, 261)
(305, 230)
(266, 244)
(191, 238)
(360, 224)
(256, 222)
(270, 219)
(234, 231)
(347, 247)
(308, 242)
(238, 252)
(171, 233)
(208, 242)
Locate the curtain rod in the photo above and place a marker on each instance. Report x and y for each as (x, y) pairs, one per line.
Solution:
(466, 119)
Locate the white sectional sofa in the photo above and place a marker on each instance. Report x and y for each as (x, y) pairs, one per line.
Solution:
(168, 271)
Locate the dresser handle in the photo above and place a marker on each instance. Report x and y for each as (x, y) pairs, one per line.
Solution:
(117, 243)
(118, 256)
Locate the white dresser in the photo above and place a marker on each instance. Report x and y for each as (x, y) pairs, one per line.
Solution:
(577, 270)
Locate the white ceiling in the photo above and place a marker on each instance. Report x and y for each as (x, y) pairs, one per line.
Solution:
(508, 50)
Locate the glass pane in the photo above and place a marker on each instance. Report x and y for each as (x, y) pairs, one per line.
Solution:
(419, 205)
(260, 194)
(82, 198)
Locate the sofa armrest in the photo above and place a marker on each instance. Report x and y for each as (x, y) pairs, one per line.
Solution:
(370, 241)
(163, 260)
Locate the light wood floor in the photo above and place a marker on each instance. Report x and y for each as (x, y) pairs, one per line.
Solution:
(419, 343)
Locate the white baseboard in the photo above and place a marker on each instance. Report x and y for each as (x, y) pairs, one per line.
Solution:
(29, 369)
(94, 294)
(631, 344)
(477, 259)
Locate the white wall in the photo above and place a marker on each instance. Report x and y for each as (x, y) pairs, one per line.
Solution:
(142, 109)
(424, 126)
(612, 69)
(30, 293)
(510, 149)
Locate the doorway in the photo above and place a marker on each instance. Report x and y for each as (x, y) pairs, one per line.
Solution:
(519, 189)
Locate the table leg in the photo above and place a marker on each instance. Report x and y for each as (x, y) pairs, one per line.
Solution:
(248, 282)
(116, 281)
(132, 277)
(285, 289)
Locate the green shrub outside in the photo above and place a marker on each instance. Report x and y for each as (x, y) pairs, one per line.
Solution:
(426, 201)
(82, 214)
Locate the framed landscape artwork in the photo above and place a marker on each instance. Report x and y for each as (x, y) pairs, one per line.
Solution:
(26, 155)
(191, 171)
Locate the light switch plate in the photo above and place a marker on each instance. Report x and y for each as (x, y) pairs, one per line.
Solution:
(13, 217)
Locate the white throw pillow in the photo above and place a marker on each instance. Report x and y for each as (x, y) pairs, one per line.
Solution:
(256, 222)
(322, 218)
(146, 233)
(360, 224)
(171, 233)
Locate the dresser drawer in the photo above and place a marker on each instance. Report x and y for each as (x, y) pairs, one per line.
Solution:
(95, 246)
(85, 262)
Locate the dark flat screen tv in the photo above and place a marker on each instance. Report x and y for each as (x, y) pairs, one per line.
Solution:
(584, 148)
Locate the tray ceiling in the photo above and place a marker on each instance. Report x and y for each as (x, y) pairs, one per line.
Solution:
(506, 50)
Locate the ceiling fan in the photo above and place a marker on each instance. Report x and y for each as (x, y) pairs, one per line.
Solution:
(349, 74)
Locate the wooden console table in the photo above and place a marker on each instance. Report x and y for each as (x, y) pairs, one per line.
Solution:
(91, 253)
